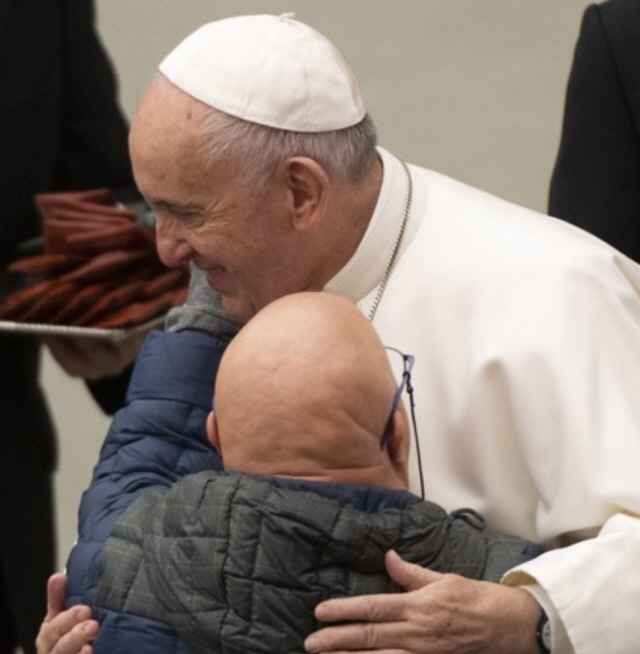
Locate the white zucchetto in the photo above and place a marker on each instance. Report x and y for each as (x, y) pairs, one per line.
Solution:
(271, 70)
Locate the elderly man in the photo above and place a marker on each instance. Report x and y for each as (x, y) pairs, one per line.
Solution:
(255, 151)
(315, 442)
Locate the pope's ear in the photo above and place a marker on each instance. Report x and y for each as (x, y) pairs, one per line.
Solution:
(212, 432)
(308, 184)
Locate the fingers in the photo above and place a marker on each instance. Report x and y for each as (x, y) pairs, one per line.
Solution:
(377, 622)
(408, 575)
(78, 640)
(65, 632)
(373, 622)
(69, 632)
(383, 607)
(361, 637)
(92, 358)
(369, 608)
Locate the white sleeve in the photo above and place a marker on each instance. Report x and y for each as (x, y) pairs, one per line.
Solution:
(594, 587)
(560, 643)
(584, 455)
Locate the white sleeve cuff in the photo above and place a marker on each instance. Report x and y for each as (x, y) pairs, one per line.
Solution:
(560, 643)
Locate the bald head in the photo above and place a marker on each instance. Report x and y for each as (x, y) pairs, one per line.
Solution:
(304, 390)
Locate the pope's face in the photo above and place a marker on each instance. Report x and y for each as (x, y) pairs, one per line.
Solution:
(241, 237)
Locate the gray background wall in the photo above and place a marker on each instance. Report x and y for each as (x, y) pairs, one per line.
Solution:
(472, 88)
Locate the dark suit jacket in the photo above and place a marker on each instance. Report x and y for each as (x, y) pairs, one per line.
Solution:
(60, 129)
(596, 180)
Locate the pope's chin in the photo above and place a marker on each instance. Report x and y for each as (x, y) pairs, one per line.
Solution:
(236, 309)
(234, 304)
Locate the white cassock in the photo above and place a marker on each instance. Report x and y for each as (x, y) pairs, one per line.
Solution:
(526, 334)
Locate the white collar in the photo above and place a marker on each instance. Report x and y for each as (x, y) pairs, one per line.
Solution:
(366, 268)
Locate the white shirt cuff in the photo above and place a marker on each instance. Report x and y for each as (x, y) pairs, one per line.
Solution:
(560, 643)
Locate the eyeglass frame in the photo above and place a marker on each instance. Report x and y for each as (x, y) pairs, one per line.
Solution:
(408, 361)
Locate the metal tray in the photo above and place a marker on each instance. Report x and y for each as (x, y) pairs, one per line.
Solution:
(114, 335)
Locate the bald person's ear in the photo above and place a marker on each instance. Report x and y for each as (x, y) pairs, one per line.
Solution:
(212, 432)
(308, 184)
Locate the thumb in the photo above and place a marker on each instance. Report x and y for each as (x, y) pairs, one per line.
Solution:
(56, 587)
(408, 575)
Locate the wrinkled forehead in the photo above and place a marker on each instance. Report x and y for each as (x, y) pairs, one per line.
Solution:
(166, 116)
(164, 142)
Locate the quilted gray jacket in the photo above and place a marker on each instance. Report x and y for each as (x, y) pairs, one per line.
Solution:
(236, 564)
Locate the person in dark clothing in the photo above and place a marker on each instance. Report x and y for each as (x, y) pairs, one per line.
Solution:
(315, 445)
(596, 179)
(60, 129)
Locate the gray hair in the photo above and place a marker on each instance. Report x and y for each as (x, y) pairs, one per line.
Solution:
(257, 150)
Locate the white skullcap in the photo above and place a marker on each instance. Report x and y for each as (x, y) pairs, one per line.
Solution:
(269, 70)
